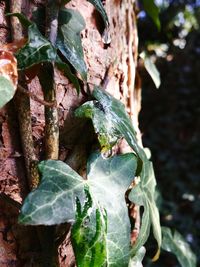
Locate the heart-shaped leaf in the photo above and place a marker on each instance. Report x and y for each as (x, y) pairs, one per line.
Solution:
(143, 194)
(111, 121)
(71, 23)
(116, 121)
(175, 243)
(107, 134)
(37, 50)
(8, 77)
(54, 201)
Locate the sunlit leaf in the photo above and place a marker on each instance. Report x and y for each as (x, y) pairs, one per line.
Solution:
(104, 127)
(143, 194)
(152, 10)
(111, 121)
(175, 243)
(8, 77)
(54, 201)
(136, 261)
(151, 69)
(116, 121)
(71, 23)
(88, 234)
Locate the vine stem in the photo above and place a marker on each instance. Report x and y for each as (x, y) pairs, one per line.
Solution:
(22, 105)
(47, 81)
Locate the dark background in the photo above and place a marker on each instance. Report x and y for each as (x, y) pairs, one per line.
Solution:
(170, 117)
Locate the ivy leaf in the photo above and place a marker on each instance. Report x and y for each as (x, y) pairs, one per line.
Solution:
(69, 41)
(136, 261)
(117, 122)
(99, 6)
(54, 201)
(151, 69)
(143, 194)
(175, 243)
(153, 11)
(37, 50)
(107, 134)
(111, 120)
(88, 241)
(7, 91)
(8, 77)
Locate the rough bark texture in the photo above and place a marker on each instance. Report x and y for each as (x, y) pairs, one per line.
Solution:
(115, 64)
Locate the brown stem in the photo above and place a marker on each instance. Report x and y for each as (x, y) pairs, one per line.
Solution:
(47, 81)
(22, 104)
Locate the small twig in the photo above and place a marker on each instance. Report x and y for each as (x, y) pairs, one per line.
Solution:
(34, 97)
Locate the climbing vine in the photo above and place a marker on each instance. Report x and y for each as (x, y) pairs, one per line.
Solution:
(95, 207)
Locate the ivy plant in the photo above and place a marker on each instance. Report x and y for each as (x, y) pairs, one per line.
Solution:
(95, 207)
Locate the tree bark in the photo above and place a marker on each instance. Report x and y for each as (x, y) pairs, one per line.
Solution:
(112, 65)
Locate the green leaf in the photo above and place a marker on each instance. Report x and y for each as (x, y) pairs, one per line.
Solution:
(71, 23)
(117, 122)
(151, 69)
(99, 6)
(111, 121)
(107, 134)
(88, 234)
(175, 243)
(7, 90)
(136, 261)
(153, 11)
(54, 201)
(143, 194)
(37, 50)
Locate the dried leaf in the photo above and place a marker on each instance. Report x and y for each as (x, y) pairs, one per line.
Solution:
(8, 76)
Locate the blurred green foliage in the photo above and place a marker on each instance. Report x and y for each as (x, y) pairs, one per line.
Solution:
(170, 117)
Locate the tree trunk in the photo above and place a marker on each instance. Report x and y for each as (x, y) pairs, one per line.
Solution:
(111, 65)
